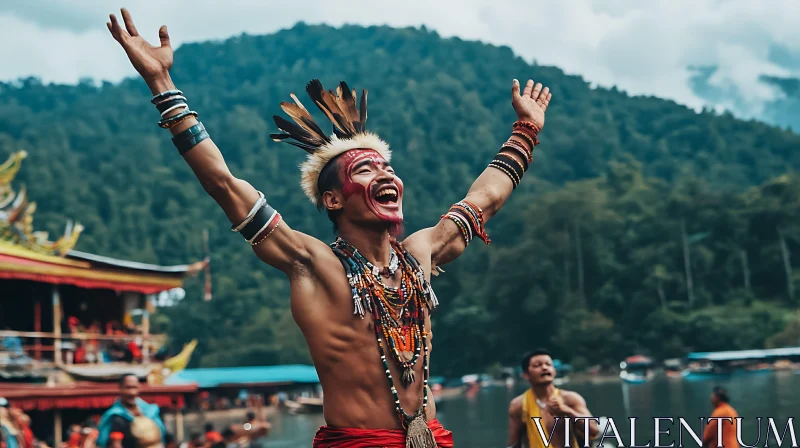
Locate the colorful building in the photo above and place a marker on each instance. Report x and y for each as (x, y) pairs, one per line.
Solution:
(71, 323)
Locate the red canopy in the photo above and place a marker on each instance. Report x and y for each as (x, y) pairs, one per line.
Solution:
(59, 271)
(89, 396)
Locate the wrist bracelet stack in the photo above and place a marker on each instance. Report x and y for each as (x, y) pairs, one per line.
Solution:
(510, 166)
(171, 101)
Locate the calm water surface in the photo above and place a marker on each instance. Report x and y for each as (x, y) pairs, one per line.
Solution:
(481, 421)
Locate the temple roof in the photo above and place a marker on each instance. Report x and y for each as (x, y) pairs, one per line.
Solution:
(26, 254)
(119, 263)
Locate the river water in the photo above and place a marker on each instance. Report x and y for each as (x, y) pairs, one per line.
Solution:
(481, 421)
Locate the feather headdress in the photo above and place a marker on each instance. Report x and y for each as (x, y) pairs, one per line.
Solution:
(349, 131)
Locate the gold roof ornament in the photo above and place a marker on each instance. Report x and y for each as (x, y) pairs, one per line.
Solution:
(16, 216)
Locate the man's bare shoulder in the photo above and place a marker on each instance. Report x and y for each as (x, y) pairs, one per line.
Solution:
(419, 242)
(515, 407)
(321, 257)
(418, 245)
(572, 397)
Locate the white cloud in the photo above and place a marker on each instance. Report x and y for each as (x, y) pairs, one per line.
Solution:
(642, 47)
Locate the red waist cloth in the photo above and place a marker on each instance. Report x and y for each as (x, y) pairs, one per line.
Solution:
(328, 437)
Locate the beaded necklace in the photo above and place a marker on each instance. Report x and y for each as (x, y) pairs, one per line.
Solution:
(398, 312)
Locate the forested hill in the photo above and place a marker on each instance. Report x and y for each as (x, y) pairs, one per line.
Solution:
(589, 246)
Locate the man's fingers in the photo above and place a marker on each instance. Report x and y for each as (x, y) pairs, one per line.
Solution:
(547, 101)
(163, 36)
(514, 89)
(536, 89)
(528, 87)
(116, 30)
(126, 17)
(543, 95)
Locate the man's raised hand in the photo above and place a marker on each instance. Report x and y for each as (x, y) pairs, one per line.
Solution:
(532, 103)
(153, 63)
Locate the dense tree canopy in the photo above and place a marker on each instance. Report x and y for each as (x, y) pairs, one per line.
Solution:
(643, 225)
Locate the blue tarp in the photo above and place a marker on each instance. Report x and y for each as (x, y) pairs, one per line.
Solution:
(746, 354)
(213, 377)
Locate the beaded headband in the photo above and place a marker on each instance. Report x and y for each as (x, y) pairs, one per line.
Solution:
(349, 131)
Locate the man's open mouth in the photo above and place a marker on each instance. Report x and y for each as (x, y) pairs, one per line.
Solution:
(386, 194)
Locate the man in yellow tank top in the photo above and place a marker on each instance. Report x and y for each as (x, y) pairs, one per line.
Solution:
(548, 405)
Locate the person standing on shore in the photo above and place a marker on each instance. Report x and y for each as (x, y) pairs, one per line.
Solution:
(725, 415)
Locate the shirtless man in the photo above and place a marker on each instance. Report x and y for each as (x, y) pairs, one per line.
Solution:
(543, 400)
(363, 303)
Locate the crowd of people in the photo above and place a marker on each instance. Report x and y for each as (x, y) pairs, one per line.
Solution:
(88, 350)
(130, 423)
(15, 430)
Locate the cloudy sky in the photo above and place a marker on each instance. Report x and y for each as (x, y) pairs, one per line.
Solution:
(643, 47)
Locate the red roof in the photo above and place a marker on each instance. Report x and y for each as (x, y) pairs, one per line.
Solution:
(30, 397)
(638, 359)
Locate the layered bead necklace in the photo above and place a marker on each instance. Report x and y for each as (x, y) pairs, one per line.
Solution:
(398, 313)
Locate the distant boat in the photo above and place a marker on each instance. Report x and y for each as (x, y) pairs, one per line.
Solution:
(636, 369)
(304, 405)
(635, 377)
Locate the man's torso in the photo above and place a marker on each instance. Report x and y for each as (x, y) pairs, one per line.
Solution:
(554, 430)
(344, 349)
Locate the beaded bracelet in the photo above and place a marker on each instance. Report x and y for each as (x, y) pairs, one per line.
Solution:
(273, 218)
(526, 124)
(524, 154)
(527, 134)
(528, 154)
(472, 218)
(527, 137)
(510, 166)
(505, 169)
(268, 231)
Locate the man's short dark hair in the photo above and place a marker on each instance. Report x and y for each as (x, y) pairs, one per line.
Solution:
(122, 378)
(329, 180)
(722, 394)
(251, 416)
(526, 358)
(209, 427)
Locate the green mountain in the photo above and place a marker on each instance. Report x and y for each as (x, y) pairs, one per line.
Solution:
(590, 244)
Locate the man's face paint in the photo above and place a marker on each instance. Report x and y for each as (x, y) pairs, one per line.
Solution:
(366, 174)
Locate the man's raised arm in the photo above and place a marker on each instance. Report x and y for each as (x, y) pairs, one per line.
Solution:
(272, 240)
(466, 219)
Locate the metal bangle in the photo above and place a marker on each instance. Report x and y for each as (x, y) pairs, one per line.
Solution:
(252, 213)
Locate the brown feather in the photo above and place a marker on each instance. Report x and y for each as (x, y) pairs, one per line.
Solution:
(314, 89)
(303, 119)
(326, 102)
(363, 110)
(347, 102)
(296, 132)
(342, 120)
(281, 137)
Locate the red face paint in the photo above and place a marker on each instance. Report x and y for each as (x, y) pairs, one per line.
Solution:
(390, 212)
